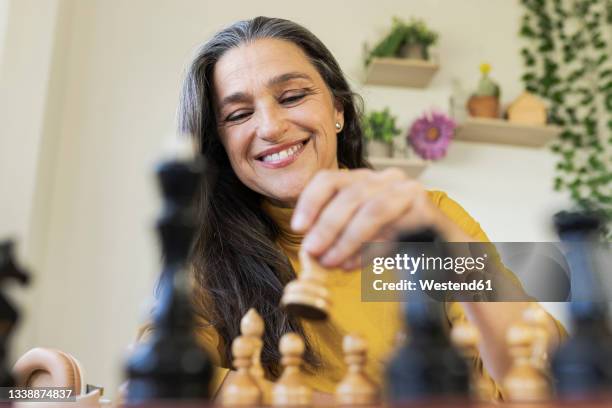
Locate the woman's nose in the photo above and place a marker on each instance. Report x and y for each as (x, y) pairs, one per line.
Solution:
(271, 123)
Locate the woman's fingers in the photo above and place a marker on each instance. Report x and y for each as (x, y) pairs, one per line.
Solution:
(385, 235)
(334, 218)
(323, 186)
(372, 218)
(351, 264)
(340, 211)
(337, 212)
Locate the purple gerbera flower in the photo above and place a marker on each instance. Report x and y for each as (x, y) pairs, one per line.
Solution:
(431, 134)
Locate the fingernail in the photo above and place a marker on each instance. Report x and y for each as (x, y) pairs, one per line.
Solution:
(329, 259)
(298, 221)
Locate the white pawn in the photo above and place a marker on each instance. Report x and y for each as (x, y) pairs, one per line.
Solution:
(290, 389)
(465, 337)
(356, 388)
(252, 326)
(524, 382)
(308, 296)
(241, 389)
(537, 318)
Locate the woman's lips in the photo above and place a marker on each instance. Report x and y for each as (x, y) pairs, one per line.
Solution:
(283, 158)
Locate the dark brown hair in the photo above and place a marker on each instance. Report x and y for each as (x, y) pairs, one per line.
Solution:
(236, 261)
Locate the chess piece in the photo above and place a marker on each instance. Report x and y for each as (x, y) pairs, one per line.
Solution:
(308, 296)
(427, 366)
(290, 389)
(252, 327)
(356, 388)
(524, 382)
(465, 336)
(536, 317)
(241, 389)
(582, 365)
(9, 270)
(171, 365)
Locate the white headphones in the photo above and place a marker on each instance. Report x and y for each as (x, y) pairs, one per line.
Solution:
(46, 367)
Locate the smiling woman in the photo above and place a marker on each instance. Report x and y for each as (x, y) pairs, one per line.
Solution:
(275, 112)
(268, 104)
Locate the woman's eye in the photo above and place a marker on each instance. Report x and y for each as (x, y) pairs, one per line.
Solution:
(292, 98)
(237, 116)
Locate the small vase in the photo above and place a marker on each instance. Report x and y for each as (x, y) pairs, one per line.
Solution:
(483, 106)
(377, 148)
(413, 51)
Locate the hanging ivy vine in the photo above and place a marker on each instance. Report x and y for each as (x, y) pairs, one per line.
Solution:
(567, 62)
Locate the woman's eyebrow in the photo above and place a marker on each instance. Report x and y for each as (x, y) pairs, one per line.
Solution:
(279, 79)
(233, 98)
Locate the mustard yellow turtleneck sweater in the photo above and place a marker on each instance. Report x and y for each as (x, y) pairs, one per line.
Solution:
(378, 322)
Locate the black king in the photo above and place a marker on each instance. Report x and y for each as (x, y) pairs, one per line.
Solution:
(171, 365)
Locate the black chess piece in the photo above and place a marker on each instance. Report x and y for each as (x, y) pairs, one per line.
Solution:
(582, 366)
(427, 366)
(171, 365)
(9, 270)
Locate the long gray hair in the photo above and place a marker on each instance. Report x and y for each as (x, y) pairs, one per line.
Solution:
(236, 261)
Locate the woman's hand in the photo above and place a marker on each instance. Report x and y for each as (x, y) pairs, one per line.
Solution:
(340, 210)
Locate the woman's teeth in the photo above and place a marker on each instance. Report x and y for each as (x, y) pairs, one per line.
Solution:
(283, 154)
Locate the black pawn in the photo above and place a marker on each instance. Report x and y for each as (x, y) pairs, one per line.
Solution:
(582, 366)
(427, 367)
(9, 270)
(172, 366)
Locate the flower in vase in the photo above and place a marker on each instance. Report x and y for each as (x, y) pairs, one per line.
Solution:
(431, 134)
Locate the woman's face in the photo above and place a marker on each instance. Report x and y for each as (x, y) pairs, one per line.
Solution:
(276, 117)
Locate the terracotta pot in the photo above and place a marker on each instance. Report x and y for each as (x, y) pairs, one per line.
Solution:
(483, 106)
(377, 148)
(413, 51)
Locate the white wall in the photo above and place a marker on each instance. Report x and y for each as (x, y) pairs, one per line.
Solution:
(111, 71)
(27, 50)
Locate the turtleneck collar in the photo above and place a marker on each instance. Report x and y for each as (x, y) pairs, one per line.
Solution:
(289, 240)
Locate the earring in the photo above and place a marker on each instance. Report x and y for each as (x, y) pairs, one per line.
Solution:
(338, 126)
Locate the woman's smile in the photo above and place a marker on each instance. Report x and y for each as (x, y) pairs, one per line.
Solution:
(282, 155)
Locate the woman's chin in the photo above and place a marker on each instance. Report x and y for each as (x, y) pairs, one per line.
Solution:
(285, 191)
(286, 198)
(287, 186)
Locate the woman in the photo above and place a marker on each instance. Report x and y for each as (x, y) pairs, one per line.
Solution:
(269, 105)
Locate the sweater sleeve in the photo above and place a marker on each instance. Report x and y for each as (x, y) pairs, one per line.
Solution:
(454, 310)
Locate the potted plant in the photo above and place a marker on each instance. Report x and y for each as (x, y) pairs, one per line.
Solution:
(379, 130)
(405, 40)
(417, 40)
(485, 102)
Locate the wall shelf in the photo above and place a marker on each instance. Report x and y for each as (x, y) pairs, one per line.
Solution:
(498, 131)
(413, 167)
(401, 72)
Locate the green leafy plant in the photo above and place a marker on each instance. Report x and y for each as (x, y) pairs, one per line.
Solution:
(415, 32)
(567, 62)
(380, 126)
